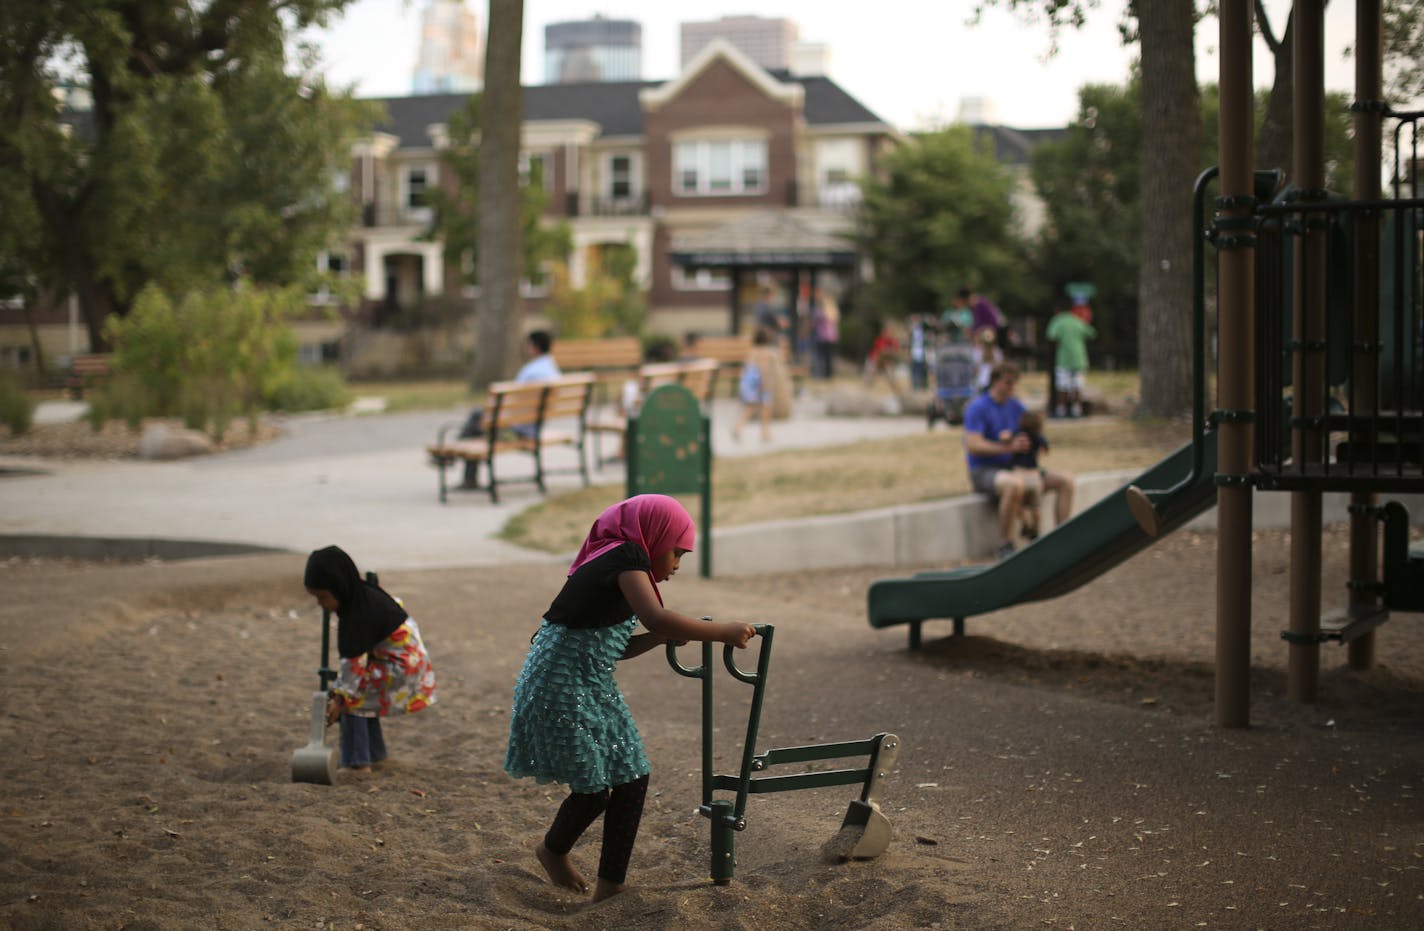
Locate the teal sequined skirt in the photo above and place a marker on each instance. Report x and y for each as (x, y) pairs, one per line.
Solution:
(569, 722)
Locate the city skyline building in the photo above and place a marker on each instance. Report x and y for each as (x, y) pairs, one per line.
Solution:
(451, 56)
(597, 49)
(768, 41)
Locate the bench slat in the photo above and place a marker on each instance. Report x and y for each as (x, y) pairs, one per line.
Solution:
(617, 352)
(86, 369)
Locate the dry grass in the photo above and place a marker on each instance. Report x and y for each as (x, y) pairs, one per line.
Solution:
(854, 477)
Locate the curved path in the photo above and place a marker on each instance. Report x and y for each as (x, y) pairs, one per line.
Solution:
(362, 481)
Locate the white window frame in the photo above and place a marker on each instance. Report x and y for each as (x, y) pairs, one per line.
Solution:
(744, 172)
(611, 177)
(837, 165)
(323, 295)
(427, 183)
(703, 279)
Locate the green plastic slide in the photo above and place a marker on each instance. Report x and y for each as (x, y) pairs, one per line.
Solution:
(1076, 552)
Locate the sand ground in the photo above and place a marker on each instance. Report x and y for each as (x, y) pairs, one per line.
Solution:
(1060, 766)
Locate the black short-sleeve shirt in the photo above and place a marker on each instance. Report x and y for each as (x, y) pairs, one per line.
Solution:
(591, 597)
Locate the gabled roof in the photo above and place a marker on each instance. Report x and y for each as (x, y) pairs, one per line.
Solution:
(613, 105)
(788, 92)
(827, 103)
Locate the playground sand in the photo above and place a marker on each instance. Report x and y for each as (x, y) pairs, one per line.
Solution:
(1060, 766)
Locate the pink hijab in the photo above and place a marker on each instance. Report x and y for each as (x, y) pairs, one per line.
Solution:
(657, 523)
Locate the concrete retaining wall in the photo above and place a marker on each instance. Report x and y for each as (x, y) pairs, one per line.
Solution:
(944, 532)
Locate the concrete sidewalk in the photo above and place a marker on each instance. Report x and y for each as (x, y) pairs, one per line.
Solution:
(363, 482)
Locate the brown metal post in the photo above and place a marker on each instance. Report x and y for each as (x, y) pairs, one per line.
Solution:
(1364, 374)
(1308, 364)
(734, 325)
(1235, 372)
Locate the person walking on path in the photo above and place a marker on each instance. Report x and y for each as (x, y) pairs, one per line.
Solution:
(1070, 334)
(983, 313)
(766, 316)
(756, 386)
(569, 723)
(825, 334)
(991, 438)
(383, 669)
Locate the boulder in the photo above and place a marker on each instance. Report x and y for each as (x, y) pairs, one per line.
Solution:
(160, 441)
(845, 401)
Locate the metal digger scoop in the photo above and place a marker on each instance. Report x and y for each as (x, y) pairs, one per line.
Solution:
(865, 832)
(316, 762)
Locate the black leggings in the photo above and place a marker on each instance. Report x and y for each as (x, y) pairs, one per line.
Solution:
(624, 811)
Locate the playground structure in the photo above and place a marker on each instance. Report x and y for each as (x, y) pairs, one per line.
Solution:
(1319, 387)
(865, 831)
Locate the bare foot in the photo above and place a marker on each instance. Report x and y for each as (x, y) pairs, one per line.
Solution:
(357, 769)
(561, 869)
(606, 889)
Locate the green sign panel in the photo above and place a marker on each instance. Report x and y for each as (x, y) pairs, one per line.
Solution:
(669, 452)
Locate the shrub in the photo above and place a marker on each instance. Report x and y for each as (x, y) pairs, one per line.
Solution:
(607, 305)
(126, 397)
(207, 356)
(17, 411)
(309, 388)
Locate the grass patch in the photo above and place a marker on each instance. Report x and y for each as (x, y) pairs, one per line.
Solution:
(853, 477)
(419, 395)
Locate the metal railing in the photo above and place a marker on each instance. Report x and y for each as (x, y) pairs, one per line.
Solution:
(1355, 420)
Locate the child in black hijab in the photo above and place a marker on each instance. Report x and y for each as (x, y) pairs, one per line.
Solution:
(383, 669)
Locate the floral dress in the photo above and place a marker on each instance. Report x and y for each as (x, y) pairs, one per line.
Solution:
(395, 677)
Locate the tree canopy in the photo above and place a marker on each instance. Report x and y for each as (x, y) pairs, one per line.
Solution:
(168, 143)
(940, 217)
(455, 224)
(1090, 184)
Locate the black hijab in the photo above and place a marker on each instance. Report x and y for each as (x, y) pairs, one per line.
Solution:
(366, 615)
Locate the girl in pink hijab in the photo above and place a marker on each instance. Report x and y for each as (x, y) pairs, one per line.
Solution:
(569, 722)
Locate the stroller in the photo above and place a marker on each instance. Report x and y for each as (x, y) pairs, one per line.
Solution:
(954, 371)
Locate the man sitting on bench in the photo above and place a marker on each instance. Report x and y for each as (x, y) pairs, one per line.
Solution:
(539, 365)
(991, 437)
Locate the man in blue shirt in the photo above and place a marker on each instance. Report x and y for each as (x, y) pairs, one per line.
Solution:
(991, 437)
(539, 366)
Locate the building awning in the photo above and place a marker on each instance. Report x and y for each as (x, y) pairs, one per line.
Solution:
(766, 240)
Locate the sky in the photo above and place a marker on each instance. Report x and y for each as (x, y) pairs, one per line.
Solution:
(912, 62)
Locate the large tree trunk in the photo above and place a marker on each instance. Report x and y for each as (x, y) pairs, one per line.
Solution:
(1273, 145)
(1171, 156)
(498, 261)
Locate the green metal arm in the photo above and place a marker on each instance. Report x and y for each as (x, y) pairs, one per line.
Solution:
(727, 817)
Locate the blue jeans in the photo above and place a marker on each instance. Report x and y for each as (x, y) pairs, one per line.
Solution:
(361, 741)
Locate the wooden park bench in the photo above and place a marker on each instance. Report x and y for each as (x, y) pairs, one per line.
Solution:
(87, 370)
(610, 356)
(524, 417)
(696, 375)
